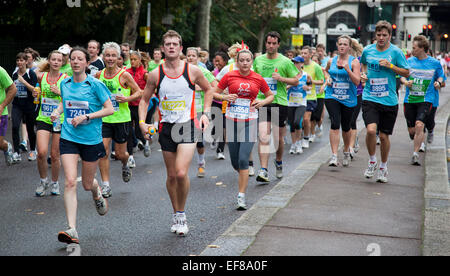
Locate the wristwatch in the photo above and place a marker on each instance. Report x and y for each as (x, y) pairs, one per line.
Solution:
(87, 118)
(440, 83)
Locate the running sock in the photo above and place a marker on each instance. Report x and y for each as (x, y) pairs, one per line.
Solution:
(279, 162)
(44, 179)
(373, 158)
(106, 183)
(241, 195)
(264, 169)
(201, 159)
(250, 163)
(306, 137)
(383, 165)
(416, 153)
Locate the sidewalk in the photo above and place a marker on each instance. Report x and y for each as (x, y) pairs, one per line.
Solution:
(319, 210)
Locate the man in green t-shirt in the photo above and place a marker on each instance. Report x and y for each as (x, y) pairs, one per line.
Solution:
(157, 60)
(278, 71)
(315, 71)
(7, 93)
(65, 68)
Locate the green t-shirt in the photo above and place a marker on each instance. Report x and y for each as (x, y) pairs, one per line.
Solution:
(266, 67)
(200, 95)
(66, 69)
(152, 65)
(5, 82)
(315, 71)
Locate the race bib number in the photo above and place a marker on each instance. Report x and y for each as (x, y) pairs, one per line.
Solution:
(241, 109)
(340, 90)
(48, 105)
(421, 81)
(173, 106)
(115, 103)
(21, 90)
(76, 108)
(379, 87)
(295, 99)
(273, 85)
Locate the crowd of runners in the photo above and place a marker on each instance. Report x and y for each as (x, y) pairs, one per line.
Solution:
(87, 106)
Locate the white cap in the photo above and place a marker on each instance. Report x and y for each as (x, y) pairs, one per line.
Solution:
(65, 50)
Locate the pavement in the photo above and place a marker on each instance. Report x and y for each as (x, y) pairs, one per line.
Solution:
(319, 210)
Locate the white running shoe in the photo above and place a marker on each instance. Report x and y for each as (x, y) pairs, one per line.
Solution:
(17, 158)
(292, 149)
(263, 176)
(370, 171)
(32, 155)
(422, 147)
(415, 160)
(183, 228)
(279, 170)
(101, 204)
(241, 205)
(305, 143)
(382, 175)
(220, 156)
(251, 171)
(174, 227)
(319, 131)
(55, 188)
(9, 155)
(40, 190)
(312, 138)
(333, 161)
(347, 159)
(131, 162)
(298, 148)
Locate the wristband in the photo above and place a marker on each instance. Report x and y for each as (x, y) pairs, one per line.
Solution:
(141, 121)
(392, 66)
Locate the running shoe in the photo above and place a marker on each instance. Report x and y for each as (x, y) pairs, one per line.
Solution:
(69, 236)
(55, 188)
(263, 176)
(131, 162)
(251, 171)
(319, 131)
(312, 138)
(298, 148)
(126, 174)
(23, 146)
(370, 171)
(305, 143)
(183, 228)
(356, 148)
(201, 171)
(17, 158)
(101, 204)
(347, 159)
(106, 191)
(220, 156)
(241, 203)
(292, 149)
(415, 160)
(174, 227)
(422, 147)
(147, 149)
(378, 140)
(9, 155)
(213, 144)
(279, 170)
(382, 175)
(140, 145)
(32, 155)
(430, 137)
(40, 190)
(333, 161)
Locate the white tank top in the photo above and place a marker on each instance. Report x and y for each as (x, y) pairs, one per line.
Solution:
(176, 97)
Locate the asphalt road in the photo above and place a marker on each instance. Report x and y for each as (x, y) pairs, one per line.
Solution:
(140, 214)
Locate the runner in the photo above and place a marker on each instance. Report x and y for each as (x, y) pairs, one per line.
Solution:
(96, 64)
(7, 93)
(354, 143)
(192, 56)
(340, 97)
(220, 61)
(381, 61)
(157, 60)
(23, 107)
(65, 67)
(85, 100)
(297, 105)
(426, 77)
(50, 78)
(243, 87)
(140, 76)
(117, 126)
(278, 71)
(175, 82)
(125, 48)
(313, 109)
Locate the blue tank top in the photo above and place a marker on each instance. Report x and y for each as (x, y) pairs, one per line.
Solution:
(342, 89)
(296, 94)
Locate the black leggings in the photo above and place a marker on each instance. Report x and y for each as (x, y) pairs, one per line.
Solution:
(29, 118)
(295, 115)
(356, 111)
(339, 115)
(241, 138)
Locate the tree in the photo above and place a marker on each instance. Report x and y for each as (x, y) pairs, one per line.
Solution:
(203, 19)
(131, 21)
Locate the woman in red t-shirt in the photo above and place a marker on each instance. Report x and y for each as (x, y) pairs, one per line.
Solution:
(241, 115)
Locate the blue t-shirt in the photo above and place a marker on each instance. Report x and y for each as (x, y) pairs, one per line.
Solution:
(342, 88)
(83, 98)
(296, 94)
(423, 73)
(381, 84)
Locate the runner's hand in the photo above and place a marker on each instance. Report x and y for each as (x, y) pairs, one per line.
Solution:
(121, 99)
(230, 97)
(204, 122)
(384, 63)
(78, 120)
(437, 85)
(409, 83)
(144, 129)
(257, 104)
(55, 116)
(276, 76)
(55, 89)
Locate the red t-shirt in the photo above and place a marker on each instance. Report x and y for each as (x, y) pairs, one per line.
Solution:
(247, 88)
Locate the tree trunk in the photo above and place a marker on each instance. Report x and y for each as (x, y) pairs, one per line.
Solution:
(203, 18)
(130, 33)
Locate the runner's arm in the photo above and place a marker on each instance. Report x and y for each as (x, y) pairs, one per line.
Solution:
(10, 94)
(136, 92)
(399, 71)
(147, 94)
(354, 74)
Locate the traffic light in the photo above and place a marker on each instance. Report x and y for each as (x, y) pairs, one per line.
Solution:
(409, 37)
(358, 32)
(445, 36)
(402, 35)
(424, 30)
(430, 32)
(394, 30)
